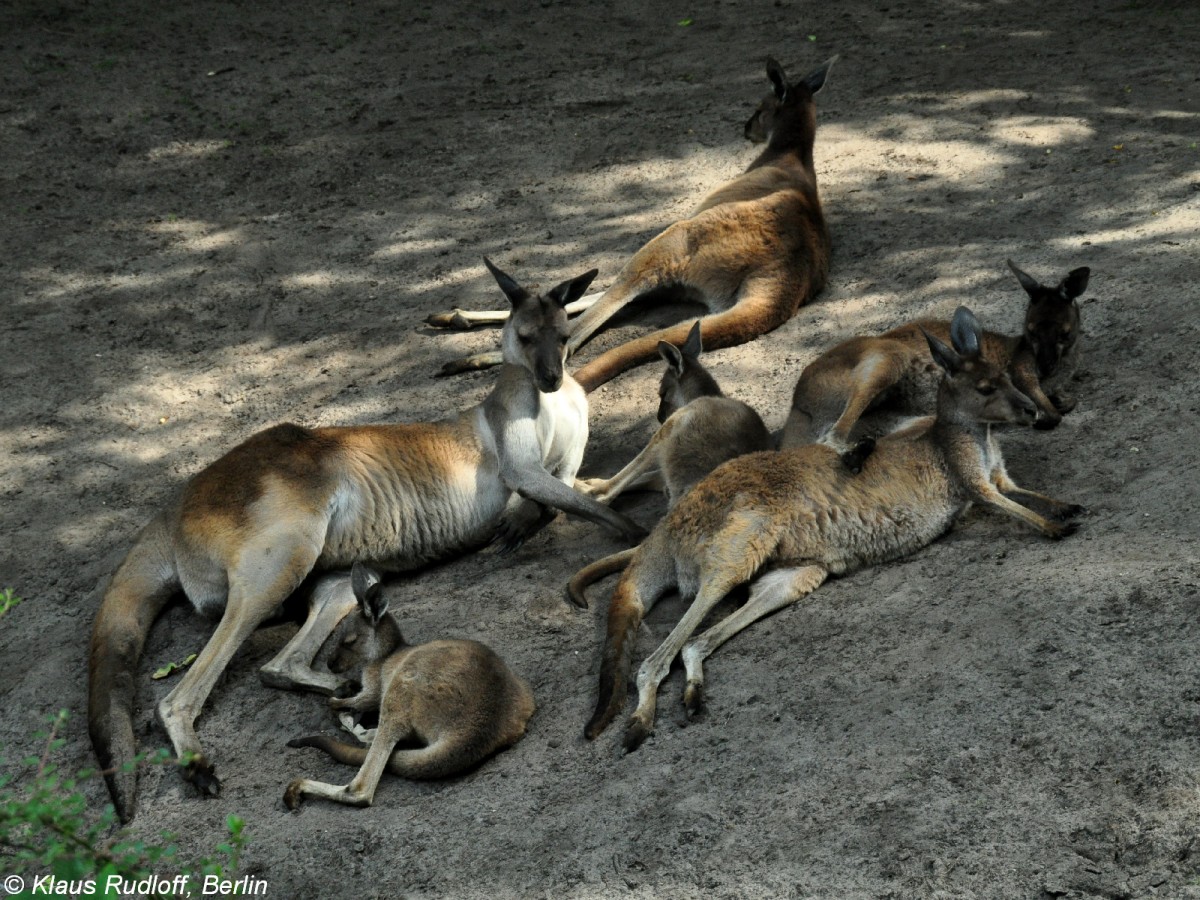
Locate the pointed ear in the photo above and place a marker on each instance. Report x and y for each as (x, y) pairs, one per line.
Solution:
(778, 78)
(513, 291)
(1075, 283)
(942, 355)
(966, 334)
(368, 590)
(1031, 284)
(815, 80)
(671, 354)
(570, 291)
(692, 347)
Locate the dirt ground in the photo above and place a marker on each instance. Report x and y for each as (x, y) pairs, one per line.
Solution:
(220, 216)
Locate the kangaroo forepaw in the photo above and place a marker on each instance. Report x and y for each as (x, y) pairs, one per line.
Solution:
(1071, 511)
(854, 458)
(1046, 422)
(293, 797)
(693, 699)
(636, 733)
(1063, 404)
(452, 319)
(202, 775)
(1058, 532)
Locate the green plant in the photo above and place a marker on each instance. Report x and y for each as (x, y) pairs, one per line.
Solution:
(46, 830)
(7, 600)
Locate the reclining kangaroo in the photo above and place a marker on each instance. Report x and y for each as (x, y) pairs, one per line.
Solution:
(752, 252)
(843, 383)
(251, 526)
(701, 428)
(786, 521)
(455, 700)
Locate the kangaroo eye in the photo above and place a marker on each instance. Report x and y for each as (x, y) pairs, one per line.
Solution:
(986, 389)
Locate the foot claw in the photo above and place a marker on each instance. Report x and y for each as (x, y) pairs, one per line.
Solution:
(693, 699)
(293, 796)
(635, 733)
(452, 319)
(202, 775)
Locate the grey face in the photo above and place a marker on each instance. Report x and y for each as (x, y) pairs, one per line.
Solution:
(540, 330)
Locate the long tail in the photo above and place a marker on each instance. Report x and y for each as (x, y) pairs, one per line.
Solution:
(593, 572)
(441, 759)
(139, 590)
(747, 319)
(625, 613)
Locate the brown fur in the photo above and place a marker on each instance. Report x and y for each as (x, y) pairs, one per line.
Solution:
(701, 428)
(785, 521)
(248, 529)
(752, 252)
(857, 375)
(451, 703)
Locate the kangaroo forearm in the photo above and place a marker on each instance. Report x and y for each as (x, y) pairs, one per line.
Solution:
(542, 488)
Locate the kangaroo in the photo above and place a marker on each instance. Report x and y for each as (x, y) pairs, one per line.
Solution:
(247, 529)
(846, 381)
(786, 521)
(752, 252)
(701, 428)
(455, 700)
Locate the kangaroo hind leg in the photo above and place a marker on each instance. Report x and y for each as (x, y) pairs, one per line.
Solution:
(262, 580)
(361, 789)
(769, 593)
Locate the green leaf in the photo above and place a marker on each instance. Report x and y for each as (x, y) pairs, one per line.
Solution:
(684, 23)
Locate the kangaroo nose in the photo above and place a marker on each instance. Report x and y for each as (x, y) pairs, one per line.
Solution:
(550, 379)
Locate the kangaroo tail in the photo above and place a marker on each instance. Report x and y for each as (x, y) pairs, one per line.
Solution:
(139, 590)
(625, 613)
(594, 572)
(747, 319)
(448, 755)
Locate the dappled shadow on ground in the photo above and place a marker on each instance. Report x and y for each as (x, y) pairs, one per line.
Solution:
(221, 217)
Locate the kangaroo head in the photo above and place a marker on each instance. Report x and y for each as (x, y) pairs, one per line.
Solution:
(366, 635)
(685, 378)
(787, 111)
(1052, 317)
(535, 335)
(973, 389)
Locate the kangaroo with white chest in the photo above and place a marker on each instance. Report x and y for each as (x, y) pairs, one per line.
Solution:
(248, 529)
(785, 521)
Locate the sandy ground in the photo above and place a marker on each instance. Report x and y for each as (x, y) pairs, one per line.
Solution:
(220, 216)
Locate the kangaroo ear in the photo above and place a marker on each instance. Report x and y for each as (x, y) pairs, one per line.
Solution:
(1075, 283)
(671, 354)
(1031, 284)
(570, 291)
(942, 355)
(368, 590)
(815, 80)
(778, 78)
(692, 347)
(966, 334)
(513, 291)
